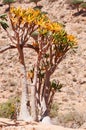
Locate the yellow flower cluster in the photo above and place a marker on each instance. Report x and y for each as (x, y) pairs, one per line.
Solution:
(31, 16)
(71, 38)
(53, 26)
(26, 15)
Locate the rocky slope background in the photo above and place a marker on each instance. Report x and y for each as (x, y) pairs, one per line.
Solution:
(71, 72)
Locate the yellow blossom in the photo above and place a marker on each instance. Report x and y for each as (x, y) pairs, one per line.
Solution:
(17, 11)
(49, 25)
(52, 26)
(41, 22)
(56, 27)
(71, 38)
(44, 25)
(11, 9)
(14, 20)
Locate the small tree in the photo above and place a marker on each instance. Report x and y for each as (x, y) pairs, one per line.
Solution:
(51, 42)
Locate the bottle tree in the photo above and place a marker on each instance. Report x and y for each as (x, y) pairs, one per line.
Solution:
(51, 43)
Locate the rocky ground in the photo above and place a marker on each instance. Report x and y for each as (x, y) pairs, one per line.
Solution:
(19, 125)
(71, 72)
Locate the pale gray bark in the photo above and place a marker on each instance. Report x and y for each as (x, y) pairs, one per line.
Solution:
(33, 96)
(24, 113)
(43, 105)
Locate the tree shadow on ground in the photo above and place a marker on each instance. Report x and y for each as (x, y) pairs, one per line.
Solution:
(81, 12)
(84, 14)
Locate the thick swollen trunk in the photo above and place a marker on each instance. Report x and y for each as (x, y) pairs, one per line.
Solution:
(43, 105)
(47, 88)
(24, 113)
(33, 96)
(45, 96)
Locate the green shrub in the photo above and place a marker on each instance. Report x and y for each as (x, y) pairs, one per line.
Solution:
(35, 1)
(8, 1)
(9, 109)
(76, 3)
(54, 110)
(83, 5)
(3, 19)
(56, 85)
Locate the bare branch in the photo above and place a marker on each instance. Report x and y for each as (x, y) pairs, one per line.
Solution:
(11, 37)
(52, 69)
(25, 37)
(32, 47)
(45, 48)
(7, 48)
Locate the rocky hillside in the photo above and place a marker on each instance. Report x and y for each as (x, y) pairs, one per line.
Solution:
(71, 72)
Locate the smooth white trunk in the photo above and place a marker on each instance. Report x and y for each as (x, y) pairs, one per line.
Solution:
(33, 103)
(43, 105)
(24, 113)
(33, 96)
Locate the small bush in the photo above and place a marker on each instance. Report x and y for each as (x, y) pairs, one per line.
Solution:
(70, 118)
(56, 85)
(35, 1)
(9, 109)
(54, 110)
(76, 3)
(8, 1)
(83, 5)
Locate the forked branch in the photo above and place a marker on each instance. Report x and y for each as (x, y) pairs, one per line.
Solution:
(7, 48)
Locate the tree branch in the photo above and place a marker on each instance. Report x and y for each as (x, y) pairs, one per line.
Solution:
(12, 38)
(3, 49)
(7, 48)
(32, 47)
(58, 60)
